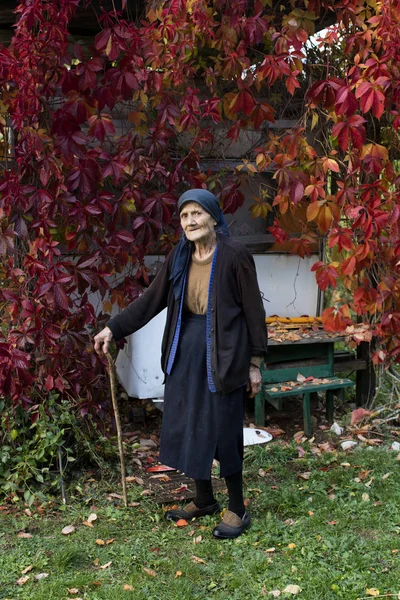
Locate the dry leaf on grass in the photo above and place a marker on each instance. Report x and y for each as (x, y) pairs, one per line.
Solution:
(275, 593)
(198, 560)
(106, 565)
(292, 589)
(150, 572)
(40, 576)
(128, 587)
(134, 478)
(100, 542)
(178, 574)
(113, 496)
(23, 534)
(182, 523)
(291, 546)
(305, 475)
(358, 415)
(197, 539)
(372, 592)
(26, 570)
(72, 590)
(68, 530)
(23, 580)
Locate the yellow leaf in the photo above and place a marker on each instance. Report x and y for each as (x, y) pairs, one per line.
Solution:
(314, 120)
(150, 572)
(100, 542)
(26, 570)
(372, 592)
(178, 574)
(291, 546)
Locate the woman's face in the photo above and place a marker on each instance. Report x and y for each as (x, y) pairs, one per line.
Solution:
(197, 224)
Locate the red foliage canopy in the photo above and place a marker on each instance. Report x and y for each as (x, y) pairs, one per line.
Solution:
(108, 135)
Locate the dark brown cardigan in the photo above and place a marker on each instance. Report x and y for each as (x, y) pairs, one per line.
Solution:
(237, 327)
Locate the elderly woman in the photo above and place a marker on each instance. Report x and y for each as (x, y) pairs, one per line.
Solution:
(214, 341)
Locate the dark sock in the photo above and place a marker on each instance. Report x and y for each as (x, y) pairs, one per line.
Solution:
(234, 483)
(204, 493)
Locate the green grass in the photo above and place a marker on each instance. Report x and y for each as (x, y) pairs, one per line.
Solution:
(341, 541)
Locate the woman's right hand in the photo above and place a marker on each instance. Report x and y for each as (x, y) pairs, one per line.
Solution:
(102, 340)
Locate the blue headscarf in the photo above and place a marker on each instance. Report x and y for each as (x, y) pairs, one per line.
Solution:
(184, 249)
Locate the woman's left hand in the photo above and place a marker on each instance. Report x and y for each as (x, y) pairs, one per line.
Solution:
(254, 382)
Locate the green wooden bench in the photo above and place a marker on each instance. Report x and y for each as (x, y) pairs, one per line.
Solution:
(332, 385)
(311, 357)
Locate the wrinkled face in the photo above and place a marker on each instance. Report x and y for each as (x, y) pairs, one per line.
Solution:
(196, 222)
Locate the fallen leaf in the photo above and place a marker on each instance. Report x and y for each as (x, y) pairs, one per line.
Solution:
(92, 517)
(292, 589)
(275, 593)
(298, 436)
(40, 576)
(23, 534)
(179, 490)
(372, 592)
(161, 477)
(137, 480)
(182, 523)
(386, 475)
(110, 541)
(96, 562)
(106, 565)
(270, 550)
(22, 580)
(87, 524)
(114, 495)
(291, 546)
(73, 590)
(178, 574)
(128, 587)
(358, 415)
(365, 497)
(305, 475)
(300, 378)
(146, 493)
(197, 539)
(100, 542)
(150, 572)
(68, 530)
(198, 560)
(28, 512)
(27, 569)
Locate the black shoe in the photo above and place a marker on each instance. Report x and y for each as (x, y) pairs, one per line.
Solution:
(191, 512)
(231, 526)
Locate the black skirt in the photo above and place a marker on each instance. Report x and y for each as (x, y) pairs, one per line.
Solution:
(199, 425)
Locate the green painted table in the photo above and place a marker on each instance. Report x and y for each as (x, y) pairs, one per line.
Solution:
(313, 356)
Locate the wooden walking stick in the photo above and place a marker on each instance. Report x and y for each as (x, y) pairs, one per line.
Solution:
(118, 425)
